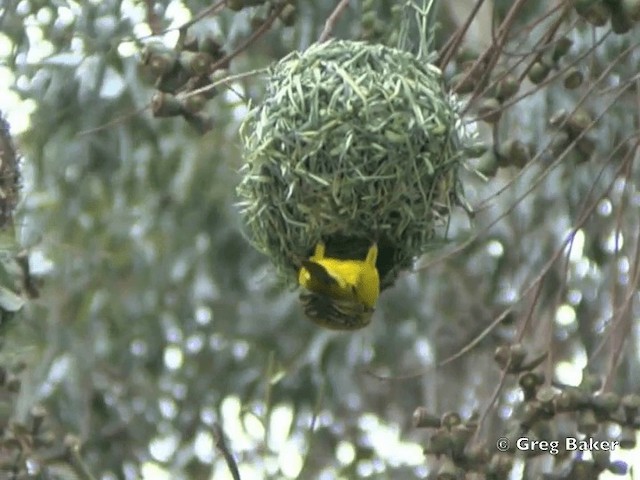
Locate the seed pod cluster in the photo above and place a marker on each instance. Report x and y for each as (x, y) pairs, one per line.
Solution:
(550, 413)
(30, 448)
(622, 13)
(569, 127)
(183, 77)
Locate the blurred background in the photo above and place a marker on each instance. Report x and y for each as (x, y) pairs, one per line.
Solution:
(139, 317)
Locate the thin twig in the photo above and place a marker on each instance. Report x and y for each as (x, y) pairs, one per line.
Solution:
(332, 20)
(221, 445)
(455, 40)
(546, 40)
(560, 291)
(548, 169)
(622, 324)
(503, 376)
(471, 345)
(223, 81)
(244, 45)
(152, 17)
(210, 10)
(484, 203)
(115, 121)
(312, 426)
(72, 455)
(618, 315)
(484, 64)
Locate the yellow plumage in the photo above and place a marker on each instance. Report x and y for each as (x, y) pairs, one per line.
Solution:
(341, 292)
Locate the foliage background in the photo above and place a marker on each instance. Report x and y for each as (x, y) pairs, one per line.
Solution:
(156, 319)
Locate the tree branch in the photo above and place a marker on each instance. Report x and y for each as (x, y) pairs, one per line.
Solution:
(221, 445)
(332, 20)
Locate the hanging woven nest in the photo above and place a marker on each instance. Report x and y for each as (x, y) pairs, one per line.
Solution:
(353, 143)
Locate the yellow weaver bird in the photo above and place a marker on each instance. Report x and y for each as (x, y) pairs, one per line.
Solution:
(341, 293)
